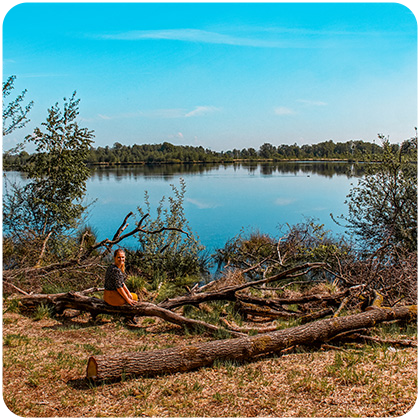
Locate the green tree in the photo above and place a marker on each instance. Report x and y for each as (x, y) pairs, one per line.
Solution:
(51, 201)
(382, 208)
(267, 151)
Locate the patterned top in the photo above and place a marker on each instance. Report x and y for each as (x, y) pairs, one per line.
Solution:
(114, 278)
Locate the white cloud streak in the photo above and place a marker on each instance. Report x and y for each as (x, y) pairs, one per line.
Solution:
(196, 35)
(198, 111)
(168, 113)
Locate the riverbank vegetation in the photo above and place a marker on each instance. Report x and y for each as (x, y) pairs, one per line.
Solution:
(167, 153)
(260, 286)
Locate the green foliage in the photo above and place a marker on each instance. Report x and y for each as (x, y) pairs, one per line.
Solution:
(169, 254)
(353, 150)
(42, 311)
(171, 287)
(14, 116)
(382, 208)
(136, 284)
(51, 201)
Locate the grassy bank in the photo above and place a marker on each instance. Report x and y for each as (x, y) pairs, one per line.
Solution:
(45, 361)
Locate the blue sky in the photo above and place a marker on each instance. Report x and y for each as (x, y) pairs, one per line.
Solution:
(219, 75)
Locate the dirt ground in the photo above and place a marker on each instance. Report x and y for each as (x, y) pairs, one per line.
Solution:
(45, 363)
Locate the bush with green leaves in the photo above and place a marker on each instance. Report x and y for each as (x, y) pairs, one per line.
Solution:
(169, 254)
(382, 208)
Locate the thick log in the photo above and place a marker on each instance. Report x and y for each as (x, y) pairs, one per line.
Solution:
(185, 358)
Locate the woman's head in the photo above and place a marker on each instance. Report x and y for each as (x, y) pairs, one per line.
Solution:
(119, 259)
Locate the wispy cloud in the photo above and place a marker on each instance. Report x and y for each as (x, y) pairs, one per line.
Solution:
(201, 110)
(105, 117)
(196, 35)
(177, 136)
(198, 111)
(164, 113)
(119, 116)
(260, 37)
(281, 110)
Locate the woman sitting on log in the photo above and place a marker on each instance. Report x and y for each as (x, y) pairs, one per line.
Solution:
(116, 292)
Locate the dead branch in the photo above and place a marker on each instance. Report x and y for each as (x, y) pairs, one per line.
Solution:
(73, 300)
(229, 293)
(108, 244)
(43, 248)
(8, 284)
(261, 330)
(277, 303)
(260, 311)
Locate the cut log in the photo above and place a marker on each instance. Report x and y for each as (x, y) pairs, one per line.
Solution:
(185, 358)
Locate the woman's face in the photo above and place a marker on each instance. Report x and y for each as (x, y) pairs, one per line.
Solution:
(119, 259)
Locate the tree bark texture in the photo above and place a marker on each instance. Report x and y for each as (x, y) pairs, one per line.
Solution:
(185, 358)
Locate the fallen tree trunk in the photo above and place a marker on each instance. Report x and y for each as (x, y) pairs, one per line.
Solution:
(95, 306)
(185, 358)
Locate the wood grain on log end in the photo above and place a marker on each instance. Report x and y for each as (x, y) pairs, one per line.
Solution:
(92, 369)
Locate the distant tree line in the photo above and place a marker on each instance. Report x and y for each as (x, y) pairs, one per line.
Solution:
(353, 150)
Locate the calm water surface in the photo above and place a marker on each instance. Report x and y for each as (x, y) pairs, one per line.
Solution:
(223, 200)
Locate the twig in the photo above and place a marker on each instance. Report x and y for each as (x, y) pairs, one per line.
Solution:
(44, 246)
(340, 308)
(16, 288)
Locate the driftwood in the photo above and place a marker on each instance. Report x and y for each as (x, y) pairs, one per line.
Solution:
(185, 358)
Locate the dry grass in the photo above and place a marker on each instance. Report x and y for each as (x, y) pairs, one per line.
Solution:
(45, 362)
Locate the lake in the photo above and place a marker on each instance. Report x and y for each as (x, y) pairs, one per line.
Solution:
(222, 200)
